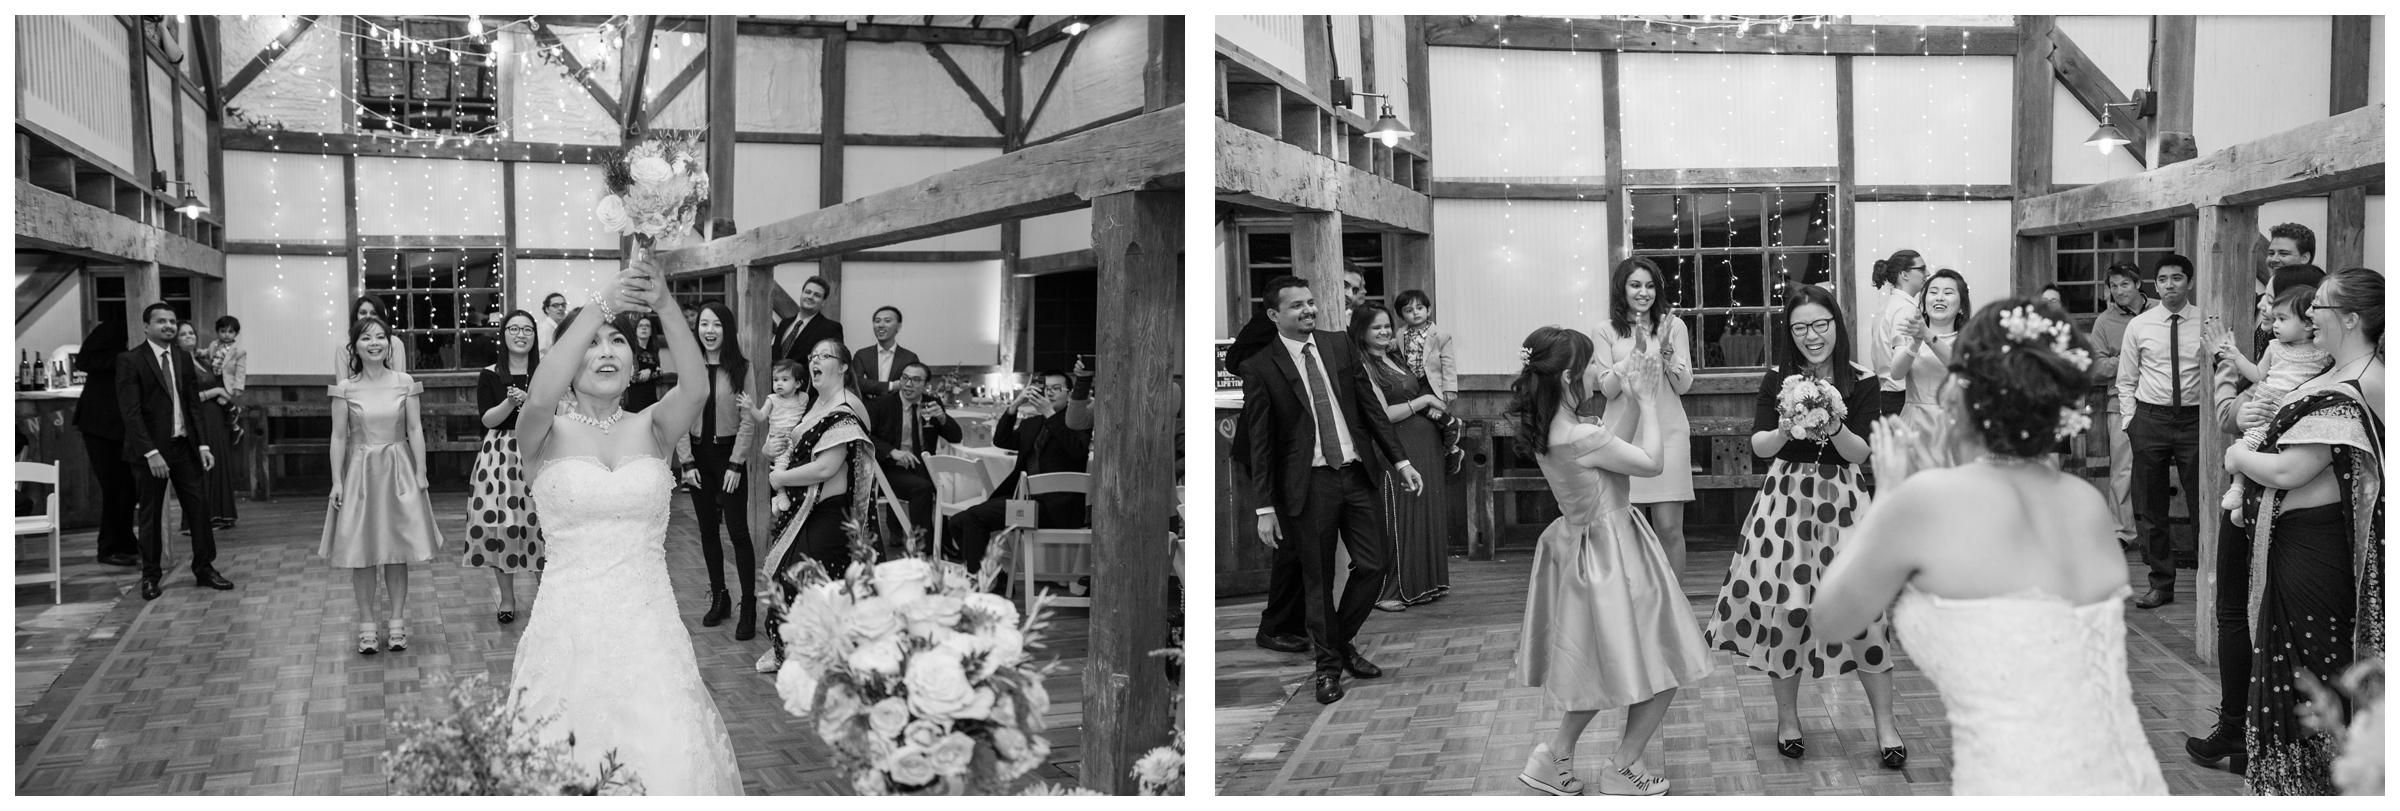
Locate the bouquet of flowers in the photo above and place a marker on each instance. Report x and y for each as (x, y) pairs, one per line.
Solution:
(918, 677)
(1809, 407)
(486, 746)
(655, 190)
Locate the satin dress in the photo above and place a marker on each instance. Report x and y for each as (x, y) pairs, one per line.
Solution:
(384, 516)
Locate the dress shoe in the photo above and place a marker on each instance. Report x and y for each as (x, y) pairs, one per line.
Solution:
(1287, 643)
(2222, 749)
(747, 626)
(150, 590)
(119, 559)
(1329, 687)
(2154, 598)
(1360, 667)
(210, 578)
(719, 604)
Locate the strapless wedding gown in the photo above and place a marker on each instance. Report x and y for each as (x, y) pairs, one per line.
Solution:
(2038, 697)
(605, 654)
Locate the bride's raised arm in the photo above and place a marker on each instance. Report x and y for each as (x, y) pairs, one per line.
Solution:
(680, 406)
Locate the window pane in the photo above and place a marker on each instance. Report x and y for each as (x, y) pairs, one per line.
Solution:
(1655, 226)
(1748, 215)
(433, 81)
(468, 81)
(2077, 267)
(386, 79)
(2158, 235)
(1733, 340)
(2075, 242)
(1711, 219)
(1801, 219)
(1683, 280)
(481, 271)
(2080, 299)
(479, 348)
(433, 350)
(2116, 239)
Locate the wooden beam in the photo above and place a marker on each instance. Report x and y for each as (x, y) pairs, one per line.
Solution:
(2093, 90)
(1619, 231)
(1056, 71)
(1057, 263)
(1258, 171)
(1143, 153)
(1934, 193)
(1834, 39)
(382, 147)
(925, 256)
(206, 34)
(2034, 101)
(753, 289)
(1079, 129)
(2313, 158)
(723, 73)
(1420, 86)
(267, 56)
(1734, 176)
(834, 125)
(47, 220)
(2346, 208)
(1845, 194)
(2173, 63)
(141, 290)
(989, 37)
(1139, 238)
(583, 75)
(1317, 259)
(34, 291)
(1493, 190)
(633, 71)
(966, 83)
(1162, 73)
(1316, 58)
(2227, 252)
(683, 80)
(145, 153)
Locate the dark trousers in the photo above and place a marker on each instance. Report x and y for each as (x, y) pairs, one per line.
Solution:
(821, 539)
(2163, 437)
(2233, 622)
(1287, 611)
(915, 488)
(184, 472)
(971, 529)
(712, 504)
(1343, 507)
(118, 494)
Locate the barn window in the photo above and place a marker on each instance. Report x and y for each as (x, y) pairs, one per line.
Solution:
(2082, 260)
(435, 79)
(1728, 255)
(449, 303)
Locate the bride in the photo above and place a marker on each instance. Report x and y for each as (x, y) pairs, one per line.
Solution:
(2009, 580)
(606, 657)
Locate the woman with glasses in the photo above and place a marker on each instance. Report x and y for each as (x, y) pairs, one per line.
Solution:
(828, 484)
(1809, 500)
(502, 532)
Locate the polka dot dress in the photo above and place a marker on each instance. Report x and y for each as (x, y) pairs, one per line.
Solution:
(1788, 542)
(502, 531)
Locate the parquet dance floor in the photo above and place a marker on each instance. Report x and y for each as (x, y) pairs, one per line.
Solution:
(1444, 719)
(258, 690)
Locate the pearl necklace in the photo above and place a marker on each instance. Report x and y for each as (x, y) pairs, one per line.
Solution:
(602, 423)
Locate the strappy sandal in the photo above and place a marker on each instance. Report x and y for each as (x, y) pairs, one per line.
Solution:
(1623, 782)
(507, 617)
(1793, 748)
(1894, 757)
(398, 638)
(1555, 776)
(368, 640)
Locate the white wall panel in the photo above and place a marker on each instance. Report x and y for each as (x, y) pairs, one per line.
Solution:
(2257, 76)
(2374, 236)
(779, 84)
(416, 196)
(1518, 115)
(274, 195)
(871, 169)
(1347, 60)
(161, 145)
(291, 310)
(1714, 111)
(1932, 119)
(555, 203)
(2375, 62)
(2120, 45)
(772, 182)
(298, 90)
(59, 324)
(1057, 233)
(577, 279)
(2070, 160)
(548, 106)
(896, 88)
(72, 81)
(1508, 267)
(195, 148)
(1972, 238)
(2308, 211)
(952, 309)
(1104, 78)
(1274, 38)
(1391, 66)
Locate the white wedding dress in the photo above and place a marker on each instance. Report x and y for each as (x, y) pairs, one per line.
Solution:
(2038, 697)
(605, 654)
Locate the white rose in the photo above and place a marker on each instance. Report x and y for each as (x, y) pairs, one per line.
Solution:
(812, 632)
(869, 783)
(953, 754)
(611, 212)
(798, 688)
(912, 766)
(651, 169)
(1007, 647)
(873, 618)
(888, 718)
(991, 610)
(835, 715)
(924, 733)
(1162, 766)
(938, 609)
(979, 706)
(938, 687)
(880, 657)
(954, 577)
(902, 581)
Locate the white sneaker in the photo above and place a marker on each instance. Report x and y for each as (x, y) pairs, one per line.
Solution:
(1550, 775)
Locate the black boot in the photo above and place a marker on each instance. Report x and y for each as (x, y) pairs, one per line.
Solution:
(747, 626)
(718, 606)
(2222, 749)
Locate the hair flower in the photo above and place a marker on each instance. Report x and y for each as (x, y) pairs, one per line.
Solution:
(1525, 355)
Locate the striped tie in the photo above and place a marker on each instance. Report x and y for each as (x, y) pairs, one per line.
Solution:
(1321, 392)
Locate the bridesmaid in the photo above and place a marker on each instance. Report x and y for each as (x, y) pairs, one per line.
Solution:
(369, 307)
(380, 518)
(1419, 571)
(1810, 498)
(647, 379)
(502, 531)
(1605, 625)
(217, 484)
(713, 457)
(1923, 361)
(1637, 319)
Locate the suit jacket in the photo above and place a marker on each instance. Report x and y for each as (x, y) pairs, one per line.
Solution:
(96, 411)
(142, 400)
(1043, 444)
(796, 350)
(1279, 424)
(885, 416)
(863, 364)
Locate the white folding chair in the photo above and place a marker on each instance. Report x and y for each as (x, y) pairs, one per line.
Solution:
(1053, 554)
(45, 524)
(958, 483)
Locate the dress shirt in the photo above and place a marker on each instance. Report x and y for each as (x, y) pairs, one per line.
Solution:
(883, 360)
(1898, 307)
(1341, 427)
(2143, 367)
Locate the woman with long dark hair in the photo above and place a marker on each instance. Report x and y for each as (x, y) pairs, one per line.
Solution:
(1605, 623)
(1418, 569)
(713, 456)
(380, 518)
(647, 377)
(216, 485)
(2312, 498)
(345, 360)
(503, 532)
(829, 480)
(1922, 361)
(1809, 501)
(1640, 325)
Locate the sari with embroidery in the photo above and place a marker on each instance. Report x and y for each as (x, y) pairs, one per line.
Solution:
(2316, 585)
(787, 567)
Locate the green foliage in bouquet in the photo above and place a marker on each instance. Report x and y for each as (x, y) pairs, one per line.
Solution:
(484, 745)
(1160, 772)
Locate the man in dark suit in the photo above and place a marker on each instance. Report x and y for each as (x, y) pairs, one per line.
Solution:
(796, 337)
(1036, 428)
(158, 397)
(1315, 446)
(906, 424)
(879, 364)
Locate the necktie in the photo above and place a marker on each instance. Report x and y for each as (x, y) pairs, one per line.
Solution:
(2175, 357)
(708, 415)
(1321, 393)
(908, 428)
(166, 371)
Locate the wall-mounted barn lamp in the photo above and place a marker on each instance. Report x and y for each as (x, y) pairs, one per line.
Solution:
(1077, 27)
(192, 207)
(2107, 138)
(1388, 128)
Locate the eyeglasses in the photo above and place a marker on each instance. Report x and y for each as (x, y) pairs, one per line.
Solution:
(518, 330)
(1820, 326)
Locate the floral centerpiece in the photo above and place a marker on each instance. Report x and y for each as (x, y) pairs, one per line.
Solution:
(918, 677)
(1808, 407)
(486, 746)
(656, 189)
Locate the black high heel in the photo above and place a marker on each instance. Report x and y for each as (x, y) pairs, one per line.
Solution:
(507, 617)
(1894, 757)
(1793, 748)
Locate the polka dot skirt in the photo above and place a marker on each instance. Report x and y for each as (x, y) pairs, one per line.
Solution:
(502, 531)
(1788, 542)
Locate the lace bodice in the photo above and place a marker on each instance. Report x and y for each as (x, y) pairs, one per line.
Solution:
(2038, 696)
(604, 521)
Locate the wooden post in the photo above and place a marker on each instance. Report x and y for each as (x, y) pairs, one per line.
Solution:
(2172, 64)
(1420, 86)
(1317, 259)
(141, 290)
(1013, 298)
(1137, 237)
(722, 40)
(2227, 251)
(1845, 191)
(1316, 48)
(754, 314)
(2029, 136)
(829, 150)
(2345, 243)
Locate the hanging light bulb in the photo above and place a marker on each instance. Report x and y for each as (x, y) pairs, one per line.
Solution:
(474, 25)
(1077, 27)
